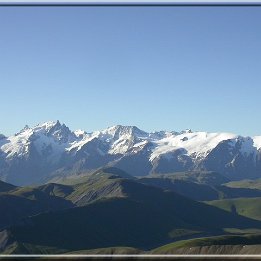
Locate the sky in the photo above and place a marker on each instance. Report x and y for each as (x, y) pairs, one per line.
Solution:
(158, 68)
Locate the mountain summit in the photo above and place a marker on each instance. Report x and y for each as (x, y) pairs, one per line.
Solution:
(49, 150)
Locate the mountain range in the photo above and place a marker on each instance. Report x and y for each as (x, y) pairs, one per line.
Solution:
(51, 151)
(111, 209)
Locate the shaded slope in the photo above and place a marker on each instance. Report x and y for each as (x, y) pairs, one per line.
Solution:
(24, 202)
(110, 222)
(4, 187)
(112, 212)
(196, 189)
(189, 211)
(143, 217)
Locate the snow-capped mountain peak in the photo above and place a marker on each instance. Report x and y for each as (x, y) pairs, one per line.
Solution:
(118, 131)
(121, 138)
(50, 136)
(47, 126)
(54, 129)
(51, 146)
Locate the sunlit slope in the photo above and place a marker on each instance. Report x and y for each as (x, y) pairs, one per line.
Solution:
(249, 207)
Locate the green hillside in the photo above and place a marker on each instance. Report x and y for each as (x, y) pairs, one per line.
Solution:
(57, 190)
(201, 177)
(196, 190)
(84, 177)
(249, 207)
(246, 183)
(145, 218)
(224, 244)
(108, 211)
(109, 251)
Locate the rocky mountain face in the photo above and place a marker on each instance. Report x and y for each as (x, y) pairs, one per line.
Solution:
(51, 150)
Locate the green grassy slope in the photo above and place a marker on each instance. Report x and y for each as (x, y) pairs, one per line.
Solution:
(247, 183)
(84, 177)
(200, 177)
(109, 251)
(249, 207)
(201, 186)
(186, 188)
(17, 203)
(58, 190)
(199, 191)
(95, 187)
(216, 245)
(107, 210)
(144, 218)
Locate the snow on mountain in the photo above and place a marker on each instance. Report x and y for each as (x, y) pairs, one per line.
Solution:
(52, 146)
(57, 136)
(196, 144)
(17, 145)
(257, 142)
(60, 132)
(121, 138)
(122, 132)
(80, 133)
(157, 135)
(49, 138)
(80, 142)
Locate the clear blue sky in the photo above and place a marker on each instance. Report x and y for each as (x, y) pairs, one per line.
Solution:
(168, 68)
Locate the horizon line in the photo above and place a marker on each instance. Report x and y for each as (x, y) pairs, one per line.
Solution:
(188, 130)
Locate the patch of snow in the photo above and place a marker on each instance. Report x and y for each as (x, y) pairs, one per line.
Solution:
(140, 144)
(196, 143)
(120, 146)
(257, 142)
(78, 144)
(17, 145)
(46, 125)
(80, 133)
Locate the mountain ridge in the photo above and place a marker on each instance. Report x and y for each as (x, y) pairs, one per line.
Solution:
(42, 152)
(109, 208)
